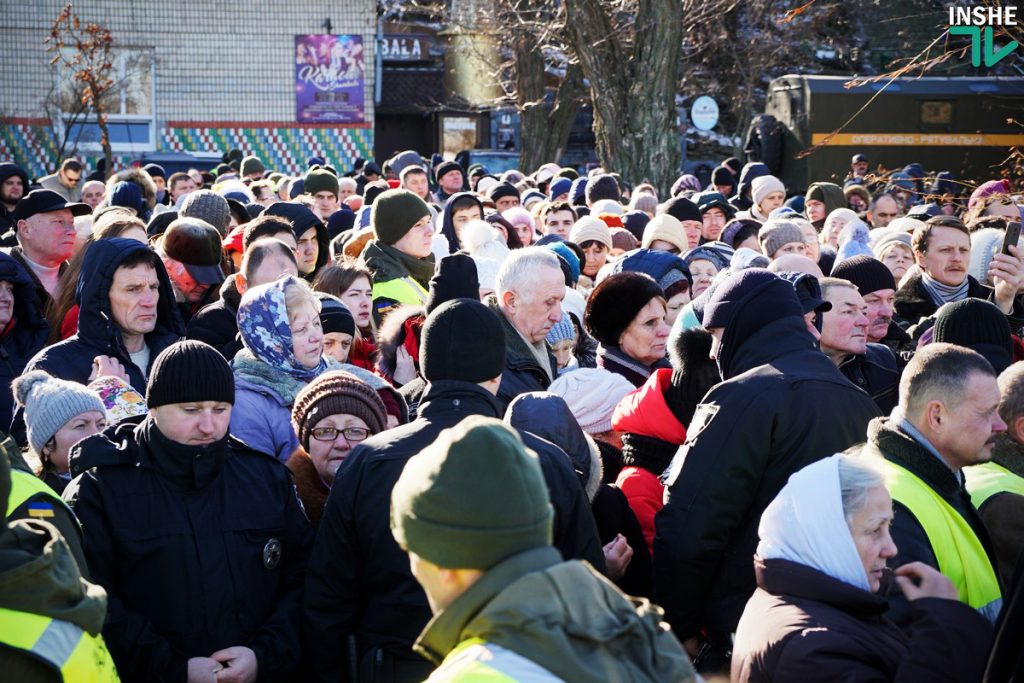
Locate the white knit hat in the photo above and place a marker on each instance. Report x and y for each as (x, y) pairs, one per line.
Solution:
(985, 243)
(667, 228)
(764, 186)
(589, 229)
(592, 394)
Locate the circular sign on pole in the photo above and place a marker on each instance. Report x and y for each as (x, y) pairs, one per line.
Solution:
(704, 113)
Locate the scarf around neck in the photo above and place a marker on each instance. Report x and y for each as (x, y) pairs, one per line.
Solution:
(944, 294)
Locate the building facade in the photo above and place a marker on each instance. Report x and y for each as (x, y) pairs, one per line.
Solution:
(283, 81)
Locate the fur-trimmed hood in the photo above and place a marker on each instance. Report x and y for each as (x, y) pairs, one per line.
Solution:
(137, 176)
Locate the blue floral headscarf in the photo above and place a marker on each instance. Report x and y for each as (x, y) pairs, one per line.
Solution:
(266, 332)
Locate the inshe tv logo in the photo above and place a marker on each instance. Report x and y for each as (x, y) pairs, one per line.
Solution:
(977, 22)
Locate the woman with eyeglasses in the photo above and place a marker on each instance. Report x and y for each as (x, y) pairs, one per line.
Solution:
(332, 415)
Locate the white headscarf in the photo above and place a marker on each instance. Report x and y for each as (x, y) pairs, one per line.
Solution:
(805, 524)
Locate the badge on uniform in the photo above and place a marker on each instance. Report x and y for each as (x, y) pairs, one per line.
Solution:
(40, 510)
(271, 554)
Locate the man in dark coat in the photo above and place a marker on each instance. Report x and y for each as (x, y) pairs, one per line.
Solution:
(13, 186)
(23, 330)
(947, 419)
(528, 297)
(870, 367)
(266, 260)
(127, 314)
(199, 541)
(942, 249)
(876, 284)
(363, 607)
(782, 405)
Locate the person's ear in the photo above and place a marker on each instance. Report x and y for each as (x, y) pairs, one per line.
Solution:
(509, 300)
(241, 284)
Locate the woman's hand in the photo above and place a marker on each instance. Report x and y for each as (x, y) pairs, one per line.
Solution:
(617, 555)
(918, 580)
(108, 366)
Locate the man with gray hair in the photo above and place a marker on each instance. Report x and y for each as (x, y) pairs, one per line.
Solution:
(997, 486)
(947, 419)
(528, 299)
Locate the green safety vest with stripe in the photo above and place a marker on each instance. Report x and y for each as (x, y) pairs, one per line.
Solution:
(477, 661)
(25, 486)
(959, 552)
(77, 655)
(986, 480)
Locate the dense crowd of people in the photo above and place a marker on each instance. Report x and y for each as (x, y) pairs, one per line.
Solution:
(421, 421)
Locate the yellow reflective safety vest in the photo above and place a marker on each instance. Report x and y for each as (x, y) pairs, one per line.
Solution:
(25, 486)
(77, 655)
(404, 290)
(477, 661)
(959, 552)
(986, 480)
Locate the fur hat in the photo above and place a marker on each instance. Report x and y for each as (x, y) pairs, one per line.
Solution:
(615, 302)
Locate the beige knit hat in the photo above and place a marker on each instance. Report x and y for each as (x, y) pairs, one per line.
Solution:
(588, 229)
(668, 228)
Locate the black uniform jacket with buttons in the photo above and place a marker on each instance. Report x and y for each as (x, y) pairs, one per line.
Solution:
(190, 568)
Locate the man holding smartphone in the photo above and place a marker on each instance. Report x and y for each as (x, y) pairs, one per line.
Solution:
(942, 250)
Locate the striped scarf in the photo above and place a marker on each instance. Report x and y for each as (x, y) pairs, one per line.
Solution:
(944, 294)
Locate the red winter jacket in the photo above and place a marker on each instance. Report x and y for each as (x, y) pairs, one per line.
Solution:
(644, 412)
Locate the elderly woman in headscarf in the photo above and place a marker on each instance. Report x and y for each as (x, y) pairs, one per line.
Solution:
(818, 613)
(284, 343)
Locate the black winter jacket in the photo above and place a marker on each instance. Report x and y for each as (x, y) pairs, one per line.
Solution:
(359, 581)
(217, 323)
(887, 440)
(190, 568)
(878, 373)
(803, 625)
(914, 303)
(23, 338)
(784, 405)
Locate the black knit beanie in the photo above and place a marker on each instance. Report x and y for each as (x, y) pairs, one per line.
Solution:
(866, 273)
(682, 209)
(394, 213)
(448, 352)
(456, 278)
(189, 372)
(615, 302)
(337, 393)
(502, 190)
(978, 325)
(647, 452)
(334, 315)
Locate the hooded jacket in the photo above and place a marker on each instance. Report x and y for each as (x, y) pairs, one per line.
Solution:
(447, 227)
(754, 169)
(795, 408)
(832, 197)
(7, 231)
(560, 616)
(24, 335)
(199, 548)
(98, 334)
(217, 323)
(359, 582)
(803, 625)
(38, 575)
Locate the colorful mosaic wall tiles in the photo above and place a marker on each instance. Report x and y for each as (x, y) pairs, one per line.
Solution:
(280, 148)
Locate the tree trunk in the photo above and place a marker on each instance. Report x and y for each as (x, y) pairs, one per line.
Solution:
(545, 133)
(633, 90)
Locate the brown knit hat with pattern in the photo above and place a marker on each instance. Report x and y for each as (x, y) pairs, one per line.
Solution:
(334, 393)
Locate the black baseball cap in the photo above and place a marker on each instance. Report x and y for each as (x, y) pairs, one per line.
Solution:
(197, 245)
(858, 158)
(45, 201)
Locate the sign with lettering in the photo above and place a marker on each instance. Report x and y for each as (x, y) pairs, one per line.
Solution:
(405, 47)
(330, 74)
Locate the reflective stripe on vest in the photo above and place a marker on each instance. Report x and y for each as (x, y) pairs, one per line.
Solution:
(477, 661)
(960, 555)
(404, 290)
(25, 486)
(78, 655)
(988, 479)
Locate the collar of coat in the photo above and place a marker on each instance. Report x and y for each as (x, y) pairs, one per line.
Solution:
(784, 577)
(899, 447)
(444, 631)
(1009, 453)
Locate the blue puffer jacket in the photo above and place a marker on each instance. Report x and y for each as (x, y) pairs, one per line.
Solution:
(98, 334)
(24, 335)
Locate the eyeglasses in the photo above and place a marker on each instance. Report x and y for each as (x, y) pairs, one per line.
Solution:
(352, 434)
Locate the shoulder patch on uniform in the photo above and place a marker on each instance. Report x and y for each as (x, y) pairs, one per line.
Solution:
(40, 509)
